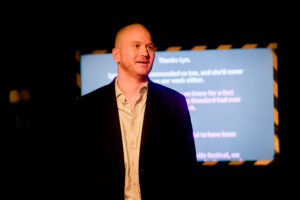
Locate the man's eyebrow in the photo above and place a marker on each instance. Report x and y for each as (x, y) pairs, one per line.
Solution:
(133, 42)
(138, 42)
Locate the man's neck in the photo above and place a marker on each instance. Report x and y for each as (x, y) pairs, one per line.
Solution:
(130, 86)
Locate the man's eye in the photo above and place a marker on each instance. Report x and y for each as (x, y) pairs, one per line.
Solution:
(136, 45)
(150, 47)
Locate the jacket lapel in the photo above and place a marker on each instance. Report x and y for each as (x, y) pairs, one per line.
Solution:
(148, 116)
(113, 120)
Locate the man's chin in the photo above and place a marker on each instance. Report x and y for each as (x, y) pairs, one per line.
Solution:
(143, 73)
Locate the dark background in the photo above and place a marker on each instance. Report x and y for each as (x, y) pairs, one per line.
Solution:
(40, 56)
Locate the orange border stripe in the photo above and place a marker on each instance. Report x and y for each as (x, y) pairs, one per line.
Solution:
(249, 46)
(275, 88)
(101, 51)
(272, 45)
(263, 162)
(78, 80)
(174, 48)
(224, 46)
(199, 47)
(276, 143)
(77, 55)
(236, 162)
(209, 163)
(275, 60)
(276, 116)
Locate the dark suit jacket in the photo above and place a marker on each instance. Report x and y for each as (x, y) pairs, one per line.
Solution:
(167, 152)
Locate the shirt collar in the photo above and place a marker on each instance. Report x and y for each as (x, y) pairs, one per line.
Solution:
(143, 89)
(118, 92)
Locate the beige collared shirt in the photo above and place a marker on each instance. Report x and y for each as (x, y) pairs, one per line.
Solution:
(131, 121)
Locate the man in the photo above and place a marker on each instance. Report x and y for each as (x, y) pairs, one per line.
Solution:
(136, 140)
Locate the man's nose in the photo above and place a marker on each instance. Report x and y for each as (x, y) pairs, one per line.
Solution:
(145, 51)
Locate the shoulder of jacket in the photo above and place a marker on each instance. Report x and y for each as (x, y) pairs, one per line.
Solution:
(97, 94)
(165, 91)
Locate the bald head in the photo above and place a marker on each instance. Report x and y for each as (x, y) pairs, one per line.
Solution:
(122, 34)
(134, 52)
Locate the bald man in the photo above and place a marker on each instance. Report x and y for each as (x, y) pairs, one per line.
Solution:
(134, 53)
(137, 140)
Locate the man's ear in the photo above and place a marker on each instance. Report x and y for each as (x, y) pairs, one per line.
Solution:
(116, 54)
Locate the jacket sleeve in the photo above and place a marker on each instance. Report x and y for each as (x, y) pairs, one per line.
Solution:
(186, 151)
(185, 133)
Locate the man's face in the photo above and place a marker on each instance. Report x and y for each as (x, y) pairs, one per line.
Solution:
(136, 52)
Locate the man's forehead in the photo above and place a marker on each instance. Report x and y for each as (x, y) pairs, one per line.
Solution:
(137, 32)
(147, 42)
